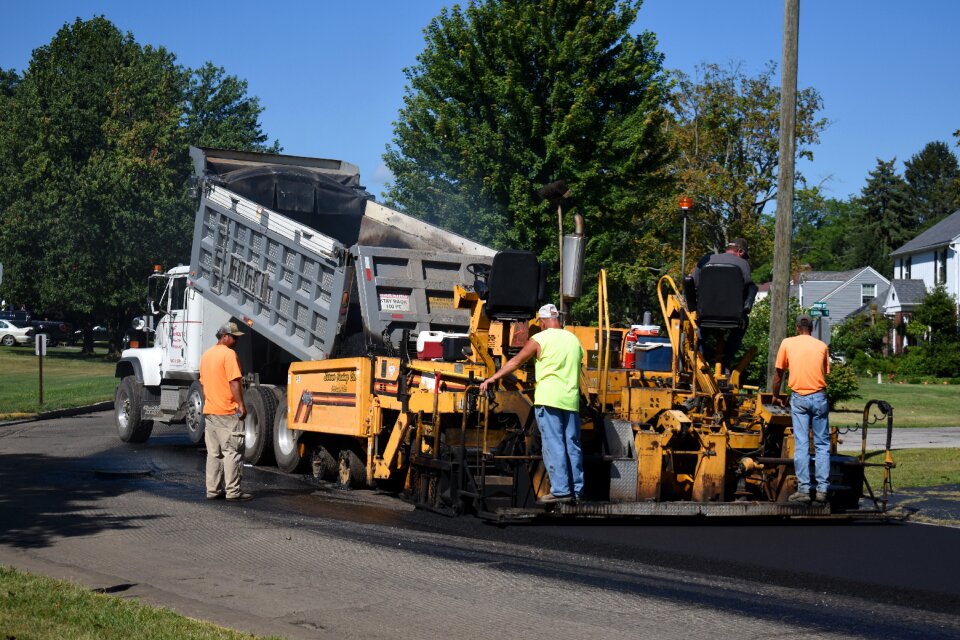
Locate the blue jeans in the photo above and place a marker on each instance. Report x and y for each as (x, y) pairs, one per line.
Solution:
(560, 434)
(811, 411)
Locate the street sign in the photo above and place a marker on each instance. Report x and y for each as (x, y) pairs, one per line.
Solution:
(40, 344)
(820, 304)
(818, 312)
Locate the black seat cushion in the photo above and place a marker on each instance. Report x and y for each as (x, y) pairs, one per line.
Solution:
(720, 296)
(514, 286)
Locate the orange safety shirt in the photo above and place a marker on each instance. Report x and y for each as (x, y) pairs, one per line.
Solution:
(808, 360)
(218, 367)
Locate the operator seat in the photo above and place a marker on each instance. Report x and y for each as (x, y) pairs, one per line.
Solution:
(515, 286)
(720, 296)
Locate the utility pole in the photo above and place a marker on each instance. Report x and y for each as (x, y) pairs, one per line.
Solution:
(780, 288)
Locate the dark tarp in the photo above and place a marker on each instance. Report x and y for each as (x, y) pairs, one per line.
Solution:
(318, 200)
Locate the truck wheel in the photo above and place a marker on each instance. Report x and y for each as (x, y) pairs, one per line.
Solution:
(352, 473)
(127, 408)
(193, 416)
(286, 443)
(258, 425)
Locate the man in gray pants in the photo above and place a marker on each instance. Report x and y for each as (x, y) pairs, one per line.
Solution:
(223, 411)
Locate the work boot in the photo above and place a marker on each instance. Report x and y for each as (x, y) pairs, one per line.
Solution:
(552, 499)
(800, 497)
(821, 496)
(240, 497)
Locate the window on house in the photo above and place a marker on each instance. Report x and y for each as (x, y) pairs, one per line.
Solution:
(942, 268)
(867, 293)
(906, 268)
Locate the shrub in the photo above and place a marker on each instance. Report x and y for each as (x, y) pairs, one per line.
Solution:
(842, 384)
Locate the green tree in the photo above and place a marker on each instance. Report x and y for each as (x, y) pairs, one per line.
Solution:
(935, 330)
(219, 113)
(933, 185)
(885, 220)
(726, 128)
(93, 170)
(860, 341)
(509, 95)
(822, 230)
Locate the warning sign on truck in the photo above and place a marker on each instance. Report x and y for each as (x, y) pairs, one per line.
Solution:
(394, 301)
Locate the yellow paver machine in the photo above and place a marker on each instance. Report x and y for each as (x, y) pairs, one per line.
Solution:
(672, 436)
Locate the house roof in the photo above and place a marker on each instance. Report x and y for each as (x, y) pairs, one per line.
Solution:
(828, 276)
(909, 291)
(853, 274)
(936, 236)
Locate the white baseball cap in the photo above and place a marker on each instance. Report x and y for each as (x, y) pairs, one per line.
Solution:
(548, 311)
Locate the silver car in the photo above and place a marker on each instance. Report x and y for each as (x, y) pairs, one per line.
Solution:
(11, 334)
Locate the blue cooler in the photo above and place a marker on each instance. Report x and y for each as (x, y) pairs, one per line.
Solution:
(653, 353)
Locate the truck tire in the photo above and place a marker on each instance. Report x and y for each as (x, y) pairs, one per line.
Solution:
(193, 415)
(286, 443)
(258, 425)
(127, 411)
(352, 473)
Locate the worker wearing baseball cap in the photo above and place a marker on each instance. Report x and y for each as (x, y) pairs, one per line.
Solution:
(808, 361)
(556, 402)
(223, 412)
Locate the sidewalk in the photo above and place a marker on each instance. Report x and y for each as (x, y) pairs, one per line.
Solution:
(933, 438)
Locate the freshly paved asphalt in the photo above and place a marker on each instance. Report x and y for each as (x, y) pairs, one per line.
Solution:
(308, 561)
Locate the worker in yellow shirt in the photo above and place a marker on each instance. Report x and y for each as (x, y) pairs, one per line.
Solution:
(556, 402)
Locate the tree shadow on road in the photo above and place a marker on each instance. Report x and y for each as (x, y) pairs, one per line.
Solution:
(44, 498)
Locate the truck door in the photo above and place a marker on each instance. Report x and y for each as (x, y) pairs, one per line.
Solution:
(171, 334)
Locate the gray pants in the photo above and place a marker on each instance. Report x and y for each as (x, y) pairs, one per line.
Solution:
(224, 438)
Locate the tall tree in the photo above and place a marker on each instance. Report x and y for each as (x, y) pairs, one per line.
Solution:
(726, 128)
(822, 230)
(93, 167)
(219, 113)
(509, 95)
(885, 220)
(933, 185)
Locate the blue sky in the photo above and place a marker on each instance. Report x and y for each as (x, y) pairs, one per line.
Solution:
(330, 74)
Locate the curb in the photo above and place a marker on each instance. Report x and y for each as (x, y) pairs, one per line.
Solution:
(61, 413)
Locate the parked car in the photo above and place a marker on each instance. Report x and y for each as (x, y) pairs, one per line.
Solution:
(56, 330)
(11, 334)
(100, 334)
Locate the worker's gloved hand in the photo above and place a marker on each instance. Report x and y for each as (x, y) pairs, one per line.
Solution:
(777, 401)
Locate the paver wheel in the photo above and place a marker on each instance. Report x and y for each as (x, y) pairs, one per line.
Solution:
(352, 473)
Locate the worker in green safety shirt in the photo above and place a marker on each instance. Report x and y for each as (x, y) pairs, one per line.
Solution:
(556, 402)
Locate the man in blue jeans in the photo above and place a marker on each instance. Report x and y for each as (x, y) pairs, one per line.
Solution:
(556, 402)
(808, 360)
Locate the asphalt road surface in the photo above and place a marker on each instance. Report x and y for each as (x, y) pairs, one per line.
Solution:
(304, 560)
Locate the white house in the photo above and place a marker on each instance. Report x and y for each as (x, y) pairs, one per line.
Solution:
(932, 256)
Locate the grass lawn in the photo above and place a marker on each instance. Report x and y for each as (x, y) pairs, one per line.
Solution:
(44, 609)
(69, 380)
(916, 468)
(914, 405)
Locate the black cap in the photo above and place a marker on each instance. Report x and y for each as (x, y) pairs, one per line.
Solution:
(738, 243)
(804, 320)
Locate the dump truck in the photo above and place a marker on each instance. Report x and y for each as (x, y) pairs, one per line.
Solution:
(294, 249)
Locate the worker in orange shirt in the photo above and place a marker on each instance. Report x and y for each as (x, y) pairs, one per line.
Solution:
(808, 361)
(223, 411)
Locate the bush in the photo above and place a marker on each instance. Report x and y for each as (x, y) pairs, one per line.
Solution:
(842, 384)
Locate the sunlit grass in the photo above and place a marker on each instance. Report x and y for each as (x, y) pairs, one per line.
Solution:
(70, 379)
(41, 608)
